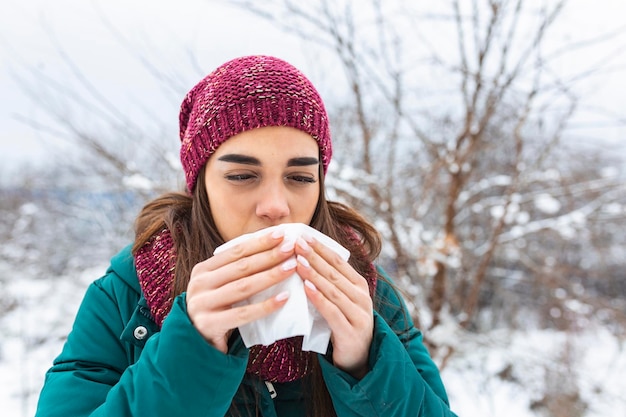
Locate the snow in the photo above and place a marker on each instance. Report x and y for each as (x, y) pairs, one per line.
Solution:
(32, 334)
(547, 204)
(613, 209)
(502, 372)
(138, 182)
(506, 373)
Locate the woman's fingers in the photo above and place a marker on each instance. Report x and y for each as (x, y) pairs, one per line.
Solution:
(240, 289)
(331, 274)
(341, 296)
(245, 259)
(233, 276)
(216, 326)
(344, 305)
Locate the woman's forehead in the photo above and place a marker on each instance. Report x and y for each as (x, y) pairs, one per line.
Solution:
(271, 141)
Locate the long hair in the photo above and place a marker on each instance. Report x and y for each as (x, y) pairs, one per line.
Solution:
(190, 221)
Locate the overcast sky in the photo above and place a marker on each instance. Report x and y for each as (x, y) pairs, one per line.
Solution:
(32, 32)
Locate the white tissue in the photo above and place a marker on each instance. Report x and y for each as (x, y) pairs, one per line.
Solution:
(296, 317)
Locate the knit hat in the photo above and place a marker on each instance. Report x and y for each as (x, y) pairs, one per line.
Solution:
(243, 94)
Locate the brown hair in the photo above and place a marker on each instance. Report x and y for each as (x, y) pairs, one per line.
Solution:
(191, 223)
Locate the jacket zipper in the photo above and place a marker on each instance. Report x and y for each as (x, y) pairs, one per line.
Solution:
(271, 389)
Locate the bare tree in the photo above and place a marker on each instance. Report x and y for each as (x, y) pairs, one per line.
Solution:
(456, 126)
(105, 162)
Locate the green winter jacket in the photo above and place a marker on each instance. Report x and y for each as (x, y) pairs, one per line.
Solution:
(117, 363)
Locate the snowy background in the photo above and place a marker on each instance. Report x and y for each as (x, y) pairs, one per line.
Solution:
(550, 341)
(493, 374)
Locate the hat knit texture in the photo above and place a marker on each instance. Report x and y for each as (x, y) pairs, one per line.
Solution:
(243, 94)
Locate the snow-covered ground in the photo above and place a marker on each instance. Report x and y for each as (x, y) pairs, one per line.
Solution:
(502, 373)
(508, 373)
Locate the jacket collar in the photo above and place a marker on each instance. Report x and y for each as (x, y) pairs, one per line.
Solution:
(123, 264)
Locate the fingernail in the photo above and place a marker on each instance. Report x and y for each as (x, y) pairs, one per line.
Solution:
(282, 296)
(302, 243)
(308, 238)
(287, 246)
(303, 261)
(289, 264)
(310, 285)
(278, 233)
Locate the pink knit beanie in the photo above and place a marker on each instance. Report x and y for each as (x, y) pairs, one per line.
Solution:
(244, 94)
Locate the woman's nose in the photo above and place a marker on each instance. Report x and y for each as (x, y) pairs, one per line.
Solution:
(273, 203)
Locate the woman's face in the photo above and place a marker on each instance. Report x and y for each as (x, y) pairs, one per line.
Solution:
(261, 178)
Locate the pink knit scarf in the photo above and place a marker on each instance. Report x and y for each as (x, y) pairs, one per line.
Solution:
(282, 361)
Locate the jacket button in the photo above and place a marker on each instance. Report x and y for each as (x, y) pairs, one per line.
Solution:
(140, 332)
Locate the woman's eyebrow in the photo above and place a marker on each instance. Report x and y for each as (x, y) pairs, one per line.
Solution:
(251, 160)
(239, 159)
(302, 161)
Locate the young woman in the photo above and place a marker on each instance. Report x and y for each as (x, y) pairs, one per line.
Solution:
(158, 335)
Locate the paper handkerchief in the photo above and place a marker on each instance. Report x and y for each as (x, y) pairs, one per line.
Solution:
(296, 317)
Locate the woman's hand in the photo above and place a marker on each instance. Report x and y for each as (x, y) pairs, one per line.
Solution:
(233, 276)
(342, 297)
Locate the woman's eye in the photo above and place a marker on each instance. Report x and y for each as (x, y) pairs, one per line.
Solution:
(239, 177)
(302, 179)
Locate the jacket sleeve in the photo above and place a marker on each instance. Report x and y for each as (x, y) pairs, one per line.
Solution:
(178, 373)
(403, 380)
